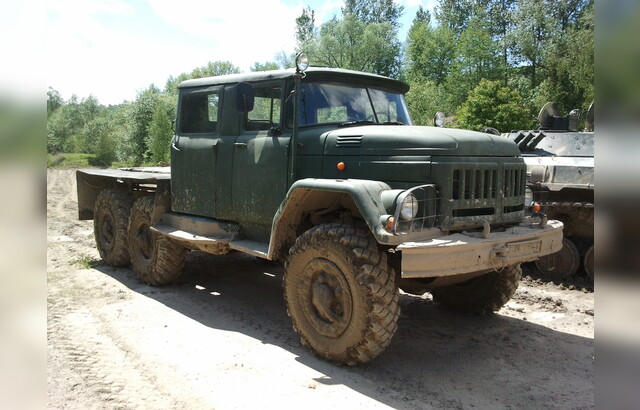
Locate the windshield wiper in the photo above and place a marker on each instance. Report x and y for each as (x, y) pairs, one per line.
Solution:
(393, 123)
(357, 122)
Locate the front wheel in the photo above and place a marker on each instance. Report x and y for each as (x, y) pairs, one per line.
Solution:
(340, 295)
(156, 259)
(483, 294)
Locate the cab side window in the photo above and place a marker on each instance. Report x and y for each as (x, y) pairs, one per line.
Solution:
(266, 109)
(200, 113)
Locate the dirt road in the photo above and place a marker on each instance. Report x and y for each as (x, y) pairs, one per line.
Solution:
(220, 338)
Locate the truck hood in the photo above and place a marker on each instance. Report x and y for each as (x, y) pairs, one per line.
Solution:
(385, 140)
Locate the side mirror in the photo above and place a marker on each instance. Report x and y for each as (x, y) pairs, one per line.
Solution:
(244, 97)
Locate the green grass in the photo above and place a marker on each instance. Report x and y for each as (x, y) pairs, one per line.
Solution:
(75, 160)
(69, 160)
(85, 262)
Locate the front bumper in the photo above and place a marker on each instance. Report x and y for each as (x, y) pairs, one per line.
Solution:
(471, 252)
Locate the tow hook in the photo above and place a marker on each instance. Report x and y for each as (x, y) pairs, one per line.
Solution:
(543, 219)
(486, 229)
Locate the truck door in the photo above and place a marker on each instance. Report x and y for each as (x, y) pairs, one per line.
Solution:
(193, 151)
(260, 161)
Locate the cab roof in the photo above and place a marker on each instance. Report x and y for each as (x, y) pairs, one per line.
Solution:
(311, 73)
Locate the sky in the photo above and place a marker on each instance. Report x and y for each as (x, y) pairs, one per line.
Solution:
(112, 49)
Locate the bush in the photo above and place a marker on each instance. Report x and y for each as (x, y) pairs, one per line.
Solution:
(492, 105)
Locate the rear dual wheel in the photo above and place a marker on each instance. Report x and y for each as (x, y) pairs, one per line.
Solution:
(110, 220)
(156, 259)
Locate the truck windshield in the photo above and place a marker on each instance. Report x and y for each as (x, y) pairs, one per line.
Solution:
(340, 104)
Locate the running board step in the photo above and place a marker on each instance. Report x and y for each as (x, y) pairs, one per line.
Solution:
(198, 226)
(195, 232)
(259, 249)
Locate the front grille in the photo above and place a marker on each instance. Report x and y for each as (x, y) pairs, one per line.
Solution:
(478, 183)
(514, 182)
(477, 189)
(474, 183)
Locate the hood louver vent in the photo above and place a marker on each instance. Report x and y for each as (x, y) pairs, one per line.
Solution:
(349, 142)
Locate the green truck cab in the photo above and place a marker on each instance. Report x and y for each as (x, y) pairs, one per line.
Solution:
(322, 169)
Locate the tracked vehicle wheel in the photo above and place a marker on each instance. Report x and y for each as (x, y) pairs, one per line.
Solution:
(110, 220)
(340, 295)
(156, 260)
(483, 294)
(588, 262)
(562, 264)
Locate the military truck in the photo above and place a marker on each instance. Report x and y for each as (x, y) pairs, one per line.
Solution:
(321, 169)
(560, 178)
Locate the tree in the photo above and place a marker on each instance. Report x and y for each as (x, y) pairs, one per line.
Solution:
(65, 125)
(160, 130)
(100, 132)
(213, 68)
(454, 14)
(352, 44)
(305, 28)
(425, 98)
(140, 118)
(54, 101)
(492, 105)
(267, 66)
(374, 11)
(430, 52)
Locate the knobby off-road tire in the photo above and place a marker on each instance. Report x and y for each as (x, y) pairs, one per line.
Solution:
(110, 221)
(483, 294)
(156, 259)
(340, 294)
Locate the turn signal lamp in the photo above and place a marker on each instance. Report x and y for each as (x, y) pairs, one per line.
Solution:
(390, 222)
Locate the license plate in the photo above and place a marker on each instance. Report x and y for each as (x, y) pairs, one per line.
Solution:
(525, 248)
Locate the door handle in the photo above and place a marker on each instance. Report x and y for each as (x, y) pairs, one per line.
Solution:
(240, 144)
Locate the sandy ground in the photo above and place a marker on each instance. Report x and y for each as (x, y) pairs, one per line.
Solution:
(220, 338)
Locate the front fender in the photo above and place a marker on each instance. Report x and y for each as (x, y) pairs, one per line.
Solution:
(309, 194)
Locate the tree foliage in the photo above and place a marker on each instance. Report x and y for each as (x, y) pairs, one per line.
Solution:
(541, 50)
(374, 11)
(492, 105)
(483, 62)
(353, 44)
(160, 130)
(211, 69)
(305, 28)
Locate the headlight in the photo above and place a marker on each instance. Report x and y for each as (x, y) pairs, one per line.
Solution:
(409, 207)
(302, 62)
(528, 197)
(438, 119)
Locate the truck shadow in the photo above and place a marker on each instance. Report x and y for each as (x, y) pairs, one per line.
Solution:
(437, 358)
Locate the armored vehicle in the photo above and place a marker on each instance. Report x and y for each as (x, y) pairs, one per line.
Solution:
(560, 170)
(321, 169)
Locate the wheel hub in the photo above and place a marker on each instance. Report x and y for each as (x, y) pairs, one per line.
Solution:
(328, 301)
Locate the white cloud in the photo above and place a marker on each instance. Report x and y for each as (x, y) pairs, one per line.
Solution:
(242, 31)
(21, 31)
(94, 47)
